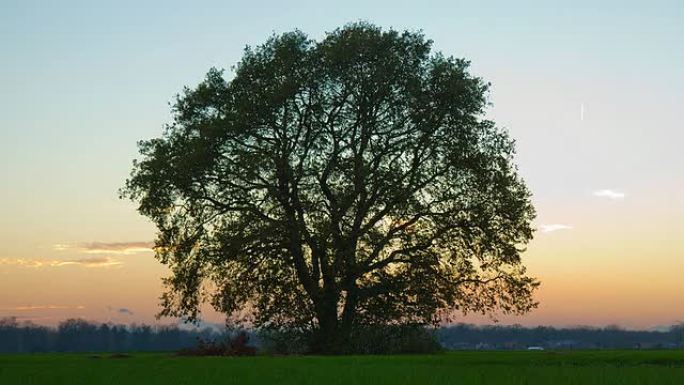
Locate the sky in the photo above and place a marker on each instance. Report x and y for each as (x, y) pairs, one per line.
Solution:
(591, 91)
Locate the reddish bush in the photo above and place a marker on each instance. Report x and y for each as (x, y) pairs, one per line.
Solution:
(237, 345)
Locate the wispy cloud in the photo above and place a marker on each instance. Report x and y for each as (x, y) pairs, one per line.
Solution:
(120, 310)
(95, 262)
(554, 227)
(610, 194)
(42, 307)
(124, 310)
(39, 263)
(29, 262)
(35, 318)
(106, 248)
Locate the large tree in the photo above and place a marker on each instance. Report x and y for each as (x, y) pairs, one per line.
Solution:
(335, 183)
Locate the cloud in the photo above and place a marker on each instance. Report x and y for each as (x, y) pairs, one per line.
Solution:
(29, 262)
(610, 194)
(116, 247)
(34, 318)
(106, 248)
(43, 307)
(39, 263)
(554, 227)
(124, 310)
(95, 262)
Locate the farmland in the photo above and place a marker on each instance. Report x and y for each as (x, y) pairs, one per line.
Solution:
(467, 368)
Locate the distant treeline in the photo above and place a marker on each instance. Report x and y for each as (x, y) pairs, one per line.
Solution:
(466, 336)
(77, 335)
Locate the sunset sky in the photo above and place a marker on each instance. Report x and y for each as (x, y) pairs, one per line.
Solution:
(592, 94)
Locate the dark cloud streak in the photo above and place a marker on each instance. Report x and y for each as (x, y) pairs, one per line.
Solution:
(124, 310)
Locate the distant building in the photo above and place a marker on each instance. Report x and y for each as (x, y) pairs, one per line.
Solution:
(535, 348)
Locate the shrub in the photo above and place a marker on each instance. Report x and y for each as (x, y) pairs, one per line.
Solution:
(364, 339)
(393, 339)
(237, 345)
(284, 341)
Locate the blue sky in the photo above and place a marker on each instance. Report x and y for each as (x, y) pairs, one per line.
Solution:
(591, 92)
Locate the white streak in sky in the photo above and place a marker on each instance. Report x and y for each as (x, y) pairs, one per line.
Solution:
(107, 248)
(610, 194)
(554, 227)
(40, 263)
(42, 307)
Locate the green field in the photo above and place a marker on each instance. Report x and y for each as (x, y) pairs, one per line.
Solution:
(468, 368)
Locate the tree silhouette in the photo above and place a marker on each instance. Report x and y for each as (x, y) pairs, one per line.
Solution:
(331, 184)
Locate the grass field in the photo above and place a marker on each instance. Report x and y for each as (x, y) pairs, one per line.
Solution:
(467, 368)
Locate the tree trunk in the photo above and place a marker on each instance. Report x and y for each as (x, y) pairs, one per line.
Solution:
(328, 338)
(334, 332)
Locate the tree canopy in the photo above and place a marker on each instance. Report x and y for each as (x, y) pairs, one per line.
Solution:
(327, 184)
